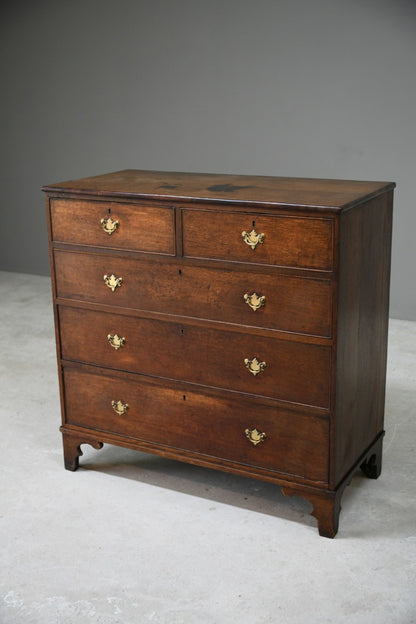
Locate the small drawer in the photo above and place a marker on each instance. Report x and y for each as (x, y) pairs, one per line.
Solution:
(253, 434)
(299, 242)
(134, 227)
(255, 299)
(280, 369)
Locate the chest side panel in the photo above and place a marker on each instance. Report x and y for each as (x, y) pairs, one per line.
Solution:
(363, 305)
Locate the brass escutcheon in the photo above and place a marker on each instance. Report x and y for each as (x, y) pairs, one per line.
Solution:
(116, 341)
(255, 436)
(254, 301)
(119, 407)
(252, 238)
(109, 226)
(254, 366)
(112, 281)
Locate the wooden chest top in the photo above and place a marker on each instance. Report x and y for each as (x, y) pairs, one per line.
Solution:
(331, 195)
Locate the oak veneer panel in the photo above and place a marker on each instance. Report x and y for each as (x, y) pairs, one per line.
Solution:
(141, 228)
(295, 372)
(191, 420)
(289, 241)
(293, 304)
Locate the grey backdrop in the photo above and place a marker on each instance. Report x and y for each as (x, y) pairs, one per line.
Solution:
(314, 88)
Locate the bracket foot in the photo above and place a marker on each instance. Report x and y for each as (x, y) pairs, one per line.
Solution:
(72, 448)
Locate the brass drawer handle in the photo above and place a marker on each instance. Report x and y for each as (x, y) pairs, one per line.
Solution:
(119, 407)
(255, 436)
(252, 238)
(254, 366)
(112, 281)
(116, 341)
(254, 301)
(109, 226)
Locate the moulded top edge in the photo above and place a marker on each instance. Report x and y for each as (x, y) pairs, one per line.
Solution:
(267, 191)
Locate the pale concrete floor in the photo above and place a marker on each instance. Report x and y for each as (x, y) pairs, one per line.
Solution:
(132, 538)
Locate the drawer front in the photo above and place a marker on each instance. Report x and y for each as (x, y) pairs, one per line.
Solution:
(248, 298)
(293, 371)
(124, 226)
(295, 442)
(299, 242)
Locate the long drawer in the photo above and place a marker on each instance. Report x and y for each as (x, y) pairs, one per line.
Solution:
(301, 242)
(281, 369)
(137, 227)
(251, 298)
(292, 442)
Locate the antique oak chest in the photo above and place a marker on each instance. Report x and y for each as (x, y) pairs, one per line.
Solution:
(233, 322)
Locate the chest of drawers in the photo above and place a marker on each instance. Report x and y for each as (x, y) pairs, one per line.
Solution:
(233, 322)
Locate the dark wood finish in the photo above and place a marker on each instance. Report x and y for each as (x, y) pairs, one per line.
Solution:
(289, 241)
(141, 227)
(295, 372)
(324, 268)
(293, 304)
(72, 451)
(326, 507)
(371, 464)
(259, 191)
(326, 504)
(363, 304)
(201, 423)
